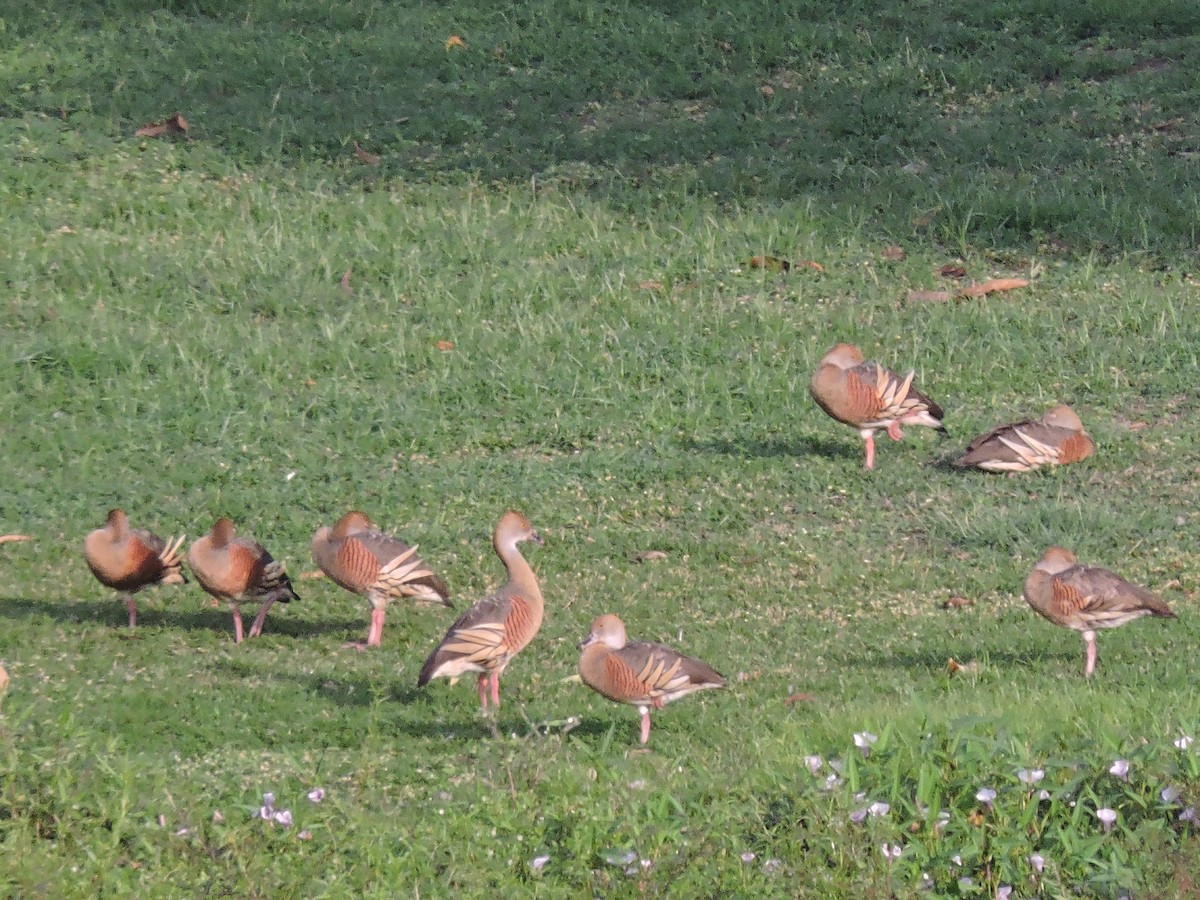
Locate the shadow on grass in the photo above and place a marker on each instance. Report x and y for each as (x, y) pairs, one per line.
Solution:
(697, 98)
(773, 448)
(113, 613)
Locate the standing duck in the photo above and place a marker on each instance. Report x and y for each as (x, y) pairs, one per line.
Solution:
(235, 568)
(1057, 438)
(378, 566)
(868, 396)
(489, 634)
(129, 559)
(1085, 598)
(641, 674)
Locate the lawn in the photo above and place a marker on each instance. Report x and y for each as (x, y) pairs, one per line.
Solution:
(530, 287)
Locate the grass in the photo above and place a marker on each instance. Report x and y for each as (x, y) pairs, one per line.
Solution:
(550, 308)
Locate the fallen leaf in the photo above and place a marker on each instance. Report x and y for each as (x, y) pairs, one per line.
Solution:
(309, 382)
(725, 46)
(648, 555)
(445, 346)
(800, 697)
(308, 576)
(815, 266)
(894, 253)
(992, 285)
(346, 282)
(970, 668)
(7, 538)
(770, 263)
(177, 124)
(371, 159)
(950, 270)
(767, 91)
(976, 818)
(455, 41)
(3, 679)
(1168, 125)
(66, 229)
(749, 676)
(928, 296)
(650, 285)
(957, 603)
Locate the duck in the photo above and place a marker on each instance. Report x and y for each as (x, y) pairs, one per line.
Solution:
(641, 674)
(130, 559)
(358, 557)
(236, 568)
(1086, 598)
(487, 636)
(868, 397)
(1056, 439)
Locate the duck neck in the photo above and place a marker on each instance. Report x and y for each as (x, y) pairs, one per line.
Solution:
(520, 573)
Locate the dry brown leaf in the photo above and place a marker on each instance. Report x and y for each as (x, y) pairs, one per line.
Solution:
(650, 285)
(950, 270)
(445, 346)
(308, 576)
(309, 382)
(3, 679)
(371, 159)
(8, 538)
(957, 603)
(894, 253)
(800, 697)
(177, 124)
(977, 818)
(749, 676)
(770, 263)
(809, 264)
(970, 668)
(767, 91)
(66, 229)
(928, 296)
(725, 46)
(346, 282)
(648, 555)
(992, 285)
(455, 41)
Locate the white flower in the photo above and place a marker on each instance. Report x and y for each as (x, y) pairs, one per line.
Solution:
(891, 851)
(1037, 861)
(269, 800)
(863, 741)
(1189, 815)
(772, 865)
(1003, 892)
(1043, 794)
(283, 817)
(1184, 742)
(878, 808)
(1106, 816)
(985, 795)
(305, 835)
(217, 817)
(858, 815)
(956, 859)
(539, 862)
(747, 857)
(813, 762)
(1120, 768)
(831, 782)
(316, 795)
(965, 883)
(1031, 776)
(1169, 794)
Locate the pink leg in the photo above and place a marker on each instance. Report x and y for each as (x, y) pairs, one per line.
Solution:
(375, 635)
(1089, 638)
(237, 625)
(483, 690)
(869, 440)
(495, 679)
(257, 627)
(131, 605)
(645, 724)
(894, 431)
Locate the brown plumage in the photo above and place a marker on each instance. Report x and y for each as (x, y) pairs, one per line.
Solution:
(641, 674)
(868, 396)
(129, 559)
(235, 568)
(489, 634)
(1085, 598)
(1057, 438)
(378, 566)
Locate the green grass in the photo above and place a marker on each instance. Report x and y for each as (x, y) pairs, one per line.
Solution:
(571, 202)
